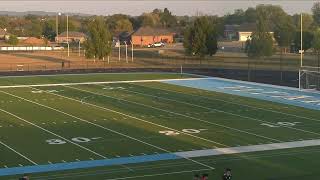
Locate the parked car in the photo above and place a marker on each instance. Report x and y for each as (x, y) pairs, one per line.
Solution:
(157, 44)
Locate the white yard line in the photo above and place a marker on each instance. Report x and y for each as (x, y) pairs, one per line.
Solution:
(204, 107)
(159, 125)
(97, 125)
(100, 82)
(246, 149)
(52, 133)
(15, 151)
(230, 102)
(179, 114)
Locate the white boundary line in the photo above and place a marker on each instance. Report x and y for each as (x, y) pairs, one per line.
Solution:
(99, 82)
(18, 153)
(83, 120)
(159, 174)
(246, 149)
(190, 117)
(254, 119)
(92, 74)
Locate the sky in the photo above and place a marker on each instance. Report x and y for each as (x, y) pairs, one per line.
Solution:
(133, 7)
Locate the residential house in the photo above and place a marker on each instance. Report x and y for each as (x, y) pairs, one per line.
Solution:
(148, 35)
(70, 36)
(241, 32)
(4, 34)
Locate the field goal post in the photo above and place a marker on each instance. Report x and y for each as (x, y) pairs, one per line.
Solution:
(309, 78)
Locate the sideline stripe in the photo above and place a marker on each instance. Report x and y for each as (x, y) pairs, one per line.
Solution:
(157, 157)
(100, 82)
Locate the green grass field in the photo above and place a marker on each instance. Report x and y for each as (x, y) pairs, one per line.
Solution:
(70, 123)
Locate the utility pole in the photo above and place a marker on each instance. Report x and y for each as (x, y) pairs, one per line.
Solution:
(126, 51)
(68, 34)
(131, 51)
(79, 48)
(301, 42)
(119, 49)
(57, 35)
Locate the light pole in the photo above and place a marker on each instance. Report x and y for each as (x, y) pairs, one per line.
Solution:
(119, 49)
(68, 35)
(57, 26)
(125, 42)
(79, 48)
(131, 51)
(301, 39)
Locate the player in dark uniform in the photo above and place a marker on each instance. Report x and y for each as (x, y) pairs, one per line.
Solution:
(205, 177)
(25, 177)
(196, 177)
(227, 174)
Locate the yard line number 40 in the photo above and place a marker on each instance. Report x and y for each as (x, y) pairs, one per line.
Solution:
(175, 133)
(280, 124)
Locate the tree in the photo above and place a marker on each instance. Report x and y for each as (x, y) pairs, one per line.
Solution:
(250, 15)
(307, 22)
(149, 19)
(261, 43)
(49, 30)
(63, 24)
(306, 41)
(316, 12)
(13, 40)
(316, 45)
(4, 22)
(123, 25)
(167, 19)
(238, 17)
(284, 33)
(99, 41)
(201, 38)
(33, 28)
(316, 48)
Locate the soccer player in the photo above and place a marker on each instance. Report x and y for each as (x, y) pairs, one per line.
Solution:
(196, 177)
(204, 177)
(25, 177)
(227, 174)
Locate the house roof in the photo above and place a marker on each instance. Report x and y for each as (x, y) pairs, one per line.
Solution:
(34, 41)
(72, 34)
(231, 27)
(149, 31)
(247, 27)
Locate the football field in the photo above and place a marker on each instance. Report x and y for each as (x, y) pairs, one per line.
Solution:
(139, 126)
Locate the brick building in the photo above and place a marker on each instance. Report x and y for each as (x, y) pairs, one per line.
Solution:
(148, 35)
